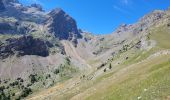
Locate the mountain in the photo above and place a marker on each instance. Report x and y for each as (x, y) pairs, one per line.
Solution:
(45, 56)
(62, 25)
(31, 47)
(37, 6)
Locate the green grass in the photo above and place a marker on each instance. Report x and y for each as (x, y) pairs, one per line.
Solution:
(161, 35)
(139, 56)
(133, 58)
(155, 78)
(149, 80)
(159, 66)
(155, 81)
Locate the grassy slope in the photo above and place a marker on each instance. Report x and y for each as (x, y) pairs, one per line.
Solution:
(135, 78)
(148, 80)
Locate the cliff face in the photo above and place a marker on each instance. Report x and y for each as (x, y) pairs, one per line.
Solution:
(26, 45)
(33, 21)
(37, 6)
(62, 25)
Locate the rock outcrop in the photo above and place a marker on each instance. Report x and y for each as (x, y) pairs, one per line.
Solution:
(143, 24)
(37, 6)
(14, 28)
(62, 25)
(25, 45)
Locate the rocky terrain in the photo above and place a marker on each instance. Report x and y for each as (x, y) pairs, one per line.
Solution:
(25, 45)
(44, 56)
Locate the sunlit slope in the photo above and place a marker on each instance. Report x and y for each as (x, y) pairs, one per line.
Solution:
(137, 72)
(144, 76)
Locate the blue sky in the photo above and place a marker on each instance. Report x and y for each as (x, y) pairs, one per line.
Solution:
(103, 16)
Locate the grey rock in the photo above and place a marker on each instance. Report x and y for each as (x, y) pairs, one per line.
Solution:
(37, 6)
(143, 24)
(122, 28)
(25, 45)
(62, 25)
(14, 28)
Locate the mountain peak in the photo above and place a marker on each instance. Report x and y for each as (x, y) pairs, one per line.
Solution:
(62, 25)
(57, 11)
(155, 15)
(37, 6)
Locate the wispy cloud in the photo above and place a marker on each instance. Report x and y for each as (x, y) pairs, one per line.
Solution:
(124, 6)
(127, 3)
(121, 10)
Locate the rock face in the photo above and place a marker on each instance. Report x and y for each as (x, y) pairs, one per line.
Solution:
(26, 45)
(62, 25)
(13, 28)
(37, 6)
(152, 17)
(122, 28)
(33, 20)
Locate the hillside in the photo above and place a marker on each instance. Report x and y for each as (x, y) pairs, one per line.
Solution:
(44, 56)
(138, 68)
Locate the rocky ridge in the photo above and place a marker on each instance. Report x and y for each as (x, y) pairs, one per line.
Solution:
(62, 25)
(48, 47)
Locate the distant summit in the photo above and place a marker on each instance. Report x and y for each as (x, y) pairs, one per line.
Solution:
(62, 25)
(37, 6)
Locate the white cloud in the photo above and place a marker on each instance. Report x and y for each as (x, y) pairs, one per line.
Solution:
(121, 9)
(127, 2)
(124, 6)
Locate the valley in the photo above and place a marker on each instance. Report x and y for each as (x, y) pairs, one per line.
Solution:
(44, 56)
